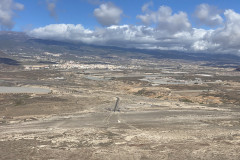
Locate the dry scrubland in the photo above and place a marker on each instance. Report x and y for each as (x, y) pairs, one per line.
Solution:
(181, 110)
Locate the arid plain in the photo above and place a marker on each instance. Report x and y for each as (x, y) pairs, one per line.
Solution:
(167, 109)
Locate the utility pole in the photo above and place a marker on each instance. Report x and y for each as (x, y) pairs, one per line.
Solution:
(116, 105)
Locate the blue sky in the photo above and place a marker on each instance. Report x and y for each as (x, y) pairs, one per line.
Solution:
(35, 13)
(195, 26)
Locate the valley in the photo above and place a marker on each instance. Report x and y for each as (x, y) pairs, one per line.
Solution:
(169, 108)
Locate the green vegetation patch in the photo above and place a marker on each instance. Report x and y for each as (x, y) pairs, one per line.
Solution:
(185, 100)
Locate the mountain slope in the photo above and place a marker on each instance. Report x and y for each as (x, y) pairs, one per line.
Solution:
(19, 42)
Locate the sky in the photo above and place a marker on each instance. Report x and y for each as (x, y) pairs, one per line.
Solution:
(196, 26)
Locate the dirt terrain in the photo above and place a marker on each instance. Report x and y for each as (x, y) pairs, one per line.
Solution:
(168, 115)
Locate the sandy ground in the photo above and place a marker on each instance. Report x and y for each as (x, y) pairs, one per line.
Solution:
(76, 121)
(137, 131)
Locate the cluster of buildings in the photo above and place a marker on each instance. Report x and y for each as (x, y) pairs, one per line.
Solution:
(36, 67)
(74, 65)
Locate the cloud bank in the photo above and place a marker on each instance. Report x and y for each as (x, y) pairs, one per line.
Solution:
(161, 29)
(7, 8)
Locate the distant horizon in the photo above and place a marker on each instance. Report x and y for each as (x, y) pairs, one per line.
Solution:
(175, 54)
(154, 51)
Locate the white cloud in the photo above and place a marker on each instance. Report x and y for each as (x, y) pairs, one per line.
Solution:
(7, 8)
(208, 15)
(165, 21)
(146, 6)
(224, 39)
(108, 14)
(65, 32)
(51, 7)
(228, 37)
(123, 36)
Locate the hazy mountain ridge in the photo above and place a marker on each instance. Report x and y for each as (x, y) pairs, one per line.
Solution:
(20, 42)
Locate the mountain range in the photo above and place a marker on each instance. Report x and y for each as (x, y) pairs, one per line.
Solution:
(16, 42)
